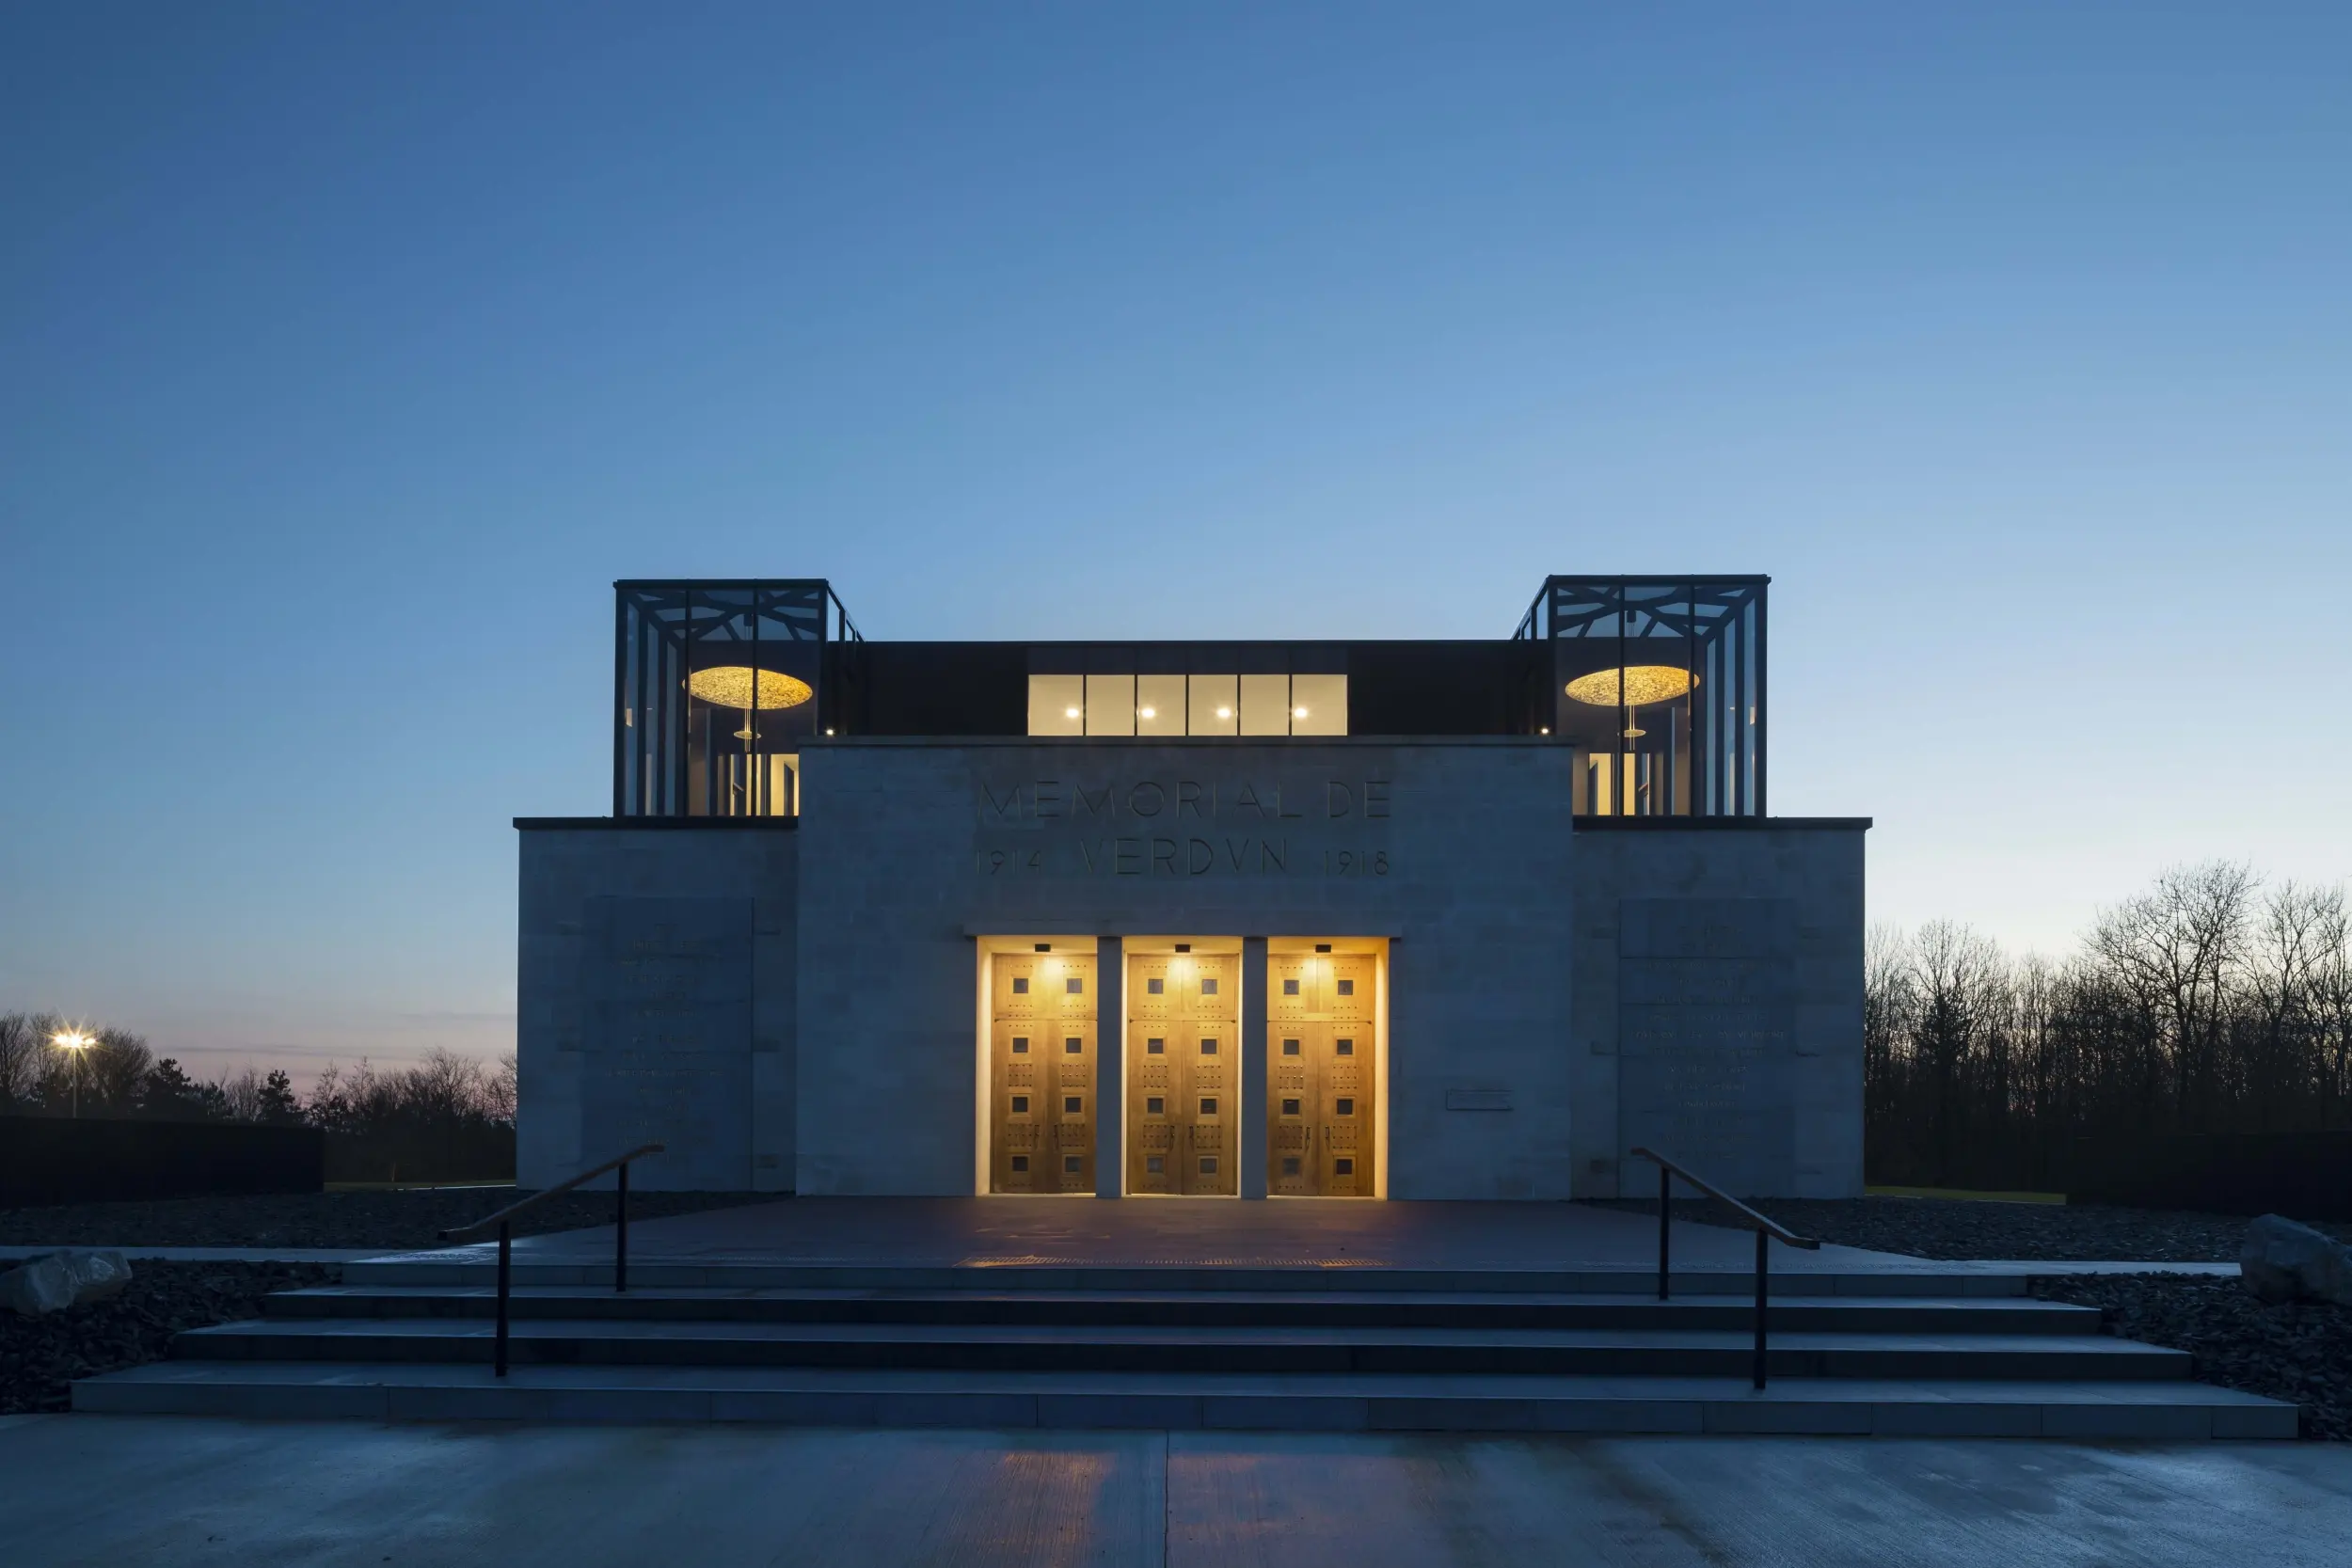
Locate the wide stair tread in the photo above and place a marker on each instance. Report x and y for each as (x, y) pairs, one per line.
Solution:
(1189, 1347)
(1514, 1309)
(477, 1265)
(1176, 1349)
(875, 1397)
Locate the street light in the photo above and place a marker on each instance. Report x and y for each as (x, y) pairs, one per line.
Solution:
(77, 1042)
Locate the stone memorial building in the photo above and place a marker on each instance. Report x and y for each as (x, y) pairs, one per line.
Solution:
(1412, 919)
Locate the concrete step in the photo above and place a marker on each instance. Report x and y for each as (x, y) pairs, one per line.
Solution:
(2162, 1409)
(1260, 1350)
(457, 1267)
(1200, 1308)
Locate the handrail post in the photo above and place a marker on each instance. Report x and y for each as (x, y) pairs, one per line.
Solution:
(506, 1277)
(620, 1240)
(1665, 1221)
(1767, 1231)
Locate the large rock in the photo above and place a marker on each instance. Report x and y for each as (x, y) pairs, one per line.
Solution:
(56, 1280)
(2282, 1261)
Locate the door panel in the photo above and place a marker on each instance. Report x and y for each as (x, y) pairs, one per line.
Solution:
(1015, 985)
(1151, 1133)
(1320, 1082)
(1074, 1105)
(1290, 987)
(1018, 1119)
(1041, 1126)
(1148, 996)
(1293, 1050)
(1182, 1051)
(1351, 987)
(1209, 1105)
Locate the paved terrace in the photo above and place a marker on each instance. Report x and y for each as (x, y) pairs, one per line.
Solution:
(1427, 1241)
(170, 1490)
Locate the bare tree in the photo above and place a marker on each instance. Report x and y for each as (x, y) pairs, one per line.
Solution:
(2292, 936)
(443, 1087)
(1955, 977)
(21, 1047)
(116, 1067)
(499, 1096)
(2331, 1003)
(2175, 948)
(241, 1095)
(1887, 1015)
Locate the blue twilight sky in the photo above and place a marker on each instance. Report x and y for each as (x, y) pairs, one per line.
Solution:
(347, 353)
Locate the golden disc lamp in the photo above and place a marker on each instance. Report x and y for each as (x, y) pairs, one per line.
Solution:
(1629, 688)
(740, 686)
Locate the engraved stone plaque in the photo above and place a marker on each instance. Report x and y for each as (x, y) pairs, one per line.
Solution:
(667, 1043)
(1705, 1037)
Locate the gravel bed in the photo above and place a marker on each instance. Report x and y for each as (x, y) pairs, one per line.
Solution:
(2300, 1351)
(1969, 1228)
(392, 1220)
(38, 1356)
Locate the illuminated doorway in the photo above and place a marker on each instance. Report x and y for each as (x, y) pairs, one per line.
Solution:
(1042, 1072)
(1183, 1068)
(1325, 1063)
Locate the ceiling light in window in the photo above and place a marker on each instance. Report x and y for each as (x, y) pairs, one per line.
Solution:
(1644, 683)
(1298, 713)
(1069, 713)
(1225, 713)
(734, 685)
(1147, 713)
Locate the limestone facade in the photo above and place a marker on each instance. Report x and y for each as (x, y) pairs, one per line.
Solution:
(790, 1003)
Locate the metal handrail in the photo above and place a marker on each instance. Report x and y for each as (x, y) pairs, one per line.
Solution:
(1766, 1232)
(503, 1222)
(1755, 1221)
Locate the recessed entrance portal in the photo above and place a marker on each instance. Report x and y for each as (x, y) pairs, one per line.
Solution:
(1183, 1027)
(1323, 1071)
(1042, 1072)
(1183, 1069)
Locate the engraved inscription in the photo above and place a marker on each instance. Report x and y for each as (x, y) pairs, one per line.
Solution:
(1182, 827)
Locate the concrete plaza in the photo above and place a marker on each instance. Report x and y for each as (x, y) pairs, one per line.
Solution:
(160, 1490)
(1383, 1239)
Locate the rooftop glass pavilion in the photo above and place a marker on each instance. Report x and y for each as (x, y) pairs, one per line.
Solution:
(1657, 683)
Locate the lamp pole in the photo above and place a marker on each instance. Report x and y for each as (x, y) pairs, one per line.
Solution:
(76, 1042)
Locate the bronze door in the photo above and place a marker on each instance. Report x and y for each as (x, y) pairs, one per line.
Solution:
(1043, 1074)
(1151, 1125)
(1320, 1083)
(1183, 1044)
(1293, 1053)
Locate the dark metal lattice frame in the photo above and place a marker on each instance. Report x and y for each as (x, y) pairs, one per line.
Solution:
(1722, 625)
(656, 625)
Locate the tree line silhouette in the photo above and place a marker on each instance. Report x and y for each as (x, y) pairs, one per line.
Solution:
(445, 1117)
(2206, 1004)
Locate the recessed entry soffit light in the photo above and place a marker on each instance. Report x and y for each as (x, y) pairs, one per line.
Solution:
(736, 685)
(1642, 683)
